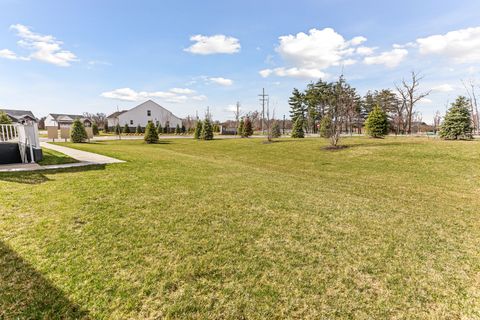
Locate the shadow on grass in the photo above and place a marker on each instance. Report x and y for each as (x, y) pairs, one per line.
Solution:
(27, 294)
(38, 177)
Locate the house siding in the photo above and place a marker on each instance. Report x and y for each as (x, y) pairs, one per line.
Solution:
(139, 116)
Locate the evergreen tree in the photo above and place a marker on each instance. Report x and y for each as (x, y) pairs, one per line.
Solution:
(151, 134)
(276, 133)
(118, 129)
(105, 127)
(207, 130)
(166, 129)
(297, 105)
(247, 127)
(198, 130)
(458, 123)
(78, 133)
(376, 124)
(184, 130)
(297, 130)
(159, 128)
(326, 127)
(241, 125)
(177, 129)
(138, 129)
(4, 118)
(126, 128)
(95, 129)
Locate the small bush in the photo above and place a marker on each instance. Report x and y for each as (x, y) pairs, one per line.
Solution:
(376, 124)
(198, 130)
(207, 130)
(247, 128)
(139, 130)
(276, 133)
(178, 130)
(95, 130)
(241, 125)
(118, 129)
(326, 127)
(151, 134)
(126, 128)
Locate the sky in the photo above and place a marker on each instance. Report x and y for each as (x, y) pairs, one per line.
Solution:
(97, 56)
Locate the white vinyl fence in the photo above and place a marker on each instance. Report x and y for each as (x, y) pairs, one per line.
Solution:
(8, 132)
(26, 135)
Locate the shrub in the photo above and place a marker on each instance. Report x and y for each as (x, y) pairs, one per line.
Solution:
(105, 127)
(166, 128)
(247, 128)
(151, 134)
(118, 129)
(376, 124)
(207, 130)
(297, 130)
(276, 133)
(126, 128)
(95, 129)
(326, 127)
(458, 122)
(78, 133)
(4, 118)
(241, 125)
(184, 130)
(138, 129)
(177, 129)
(198, 130)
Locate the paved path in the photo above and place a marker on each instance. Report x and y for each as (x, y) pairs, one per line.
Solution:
(82, 156)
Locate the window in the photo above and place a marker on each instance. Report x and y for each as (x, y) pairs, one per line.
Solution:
(149, 113)
(131, 122)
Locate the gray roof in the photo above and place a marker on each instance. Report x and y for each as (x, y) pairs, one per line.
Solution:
(116, 114)
(18, 114)
(73, 116)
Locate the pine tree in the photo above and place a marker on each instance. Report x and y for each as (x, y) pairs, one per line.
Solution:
(297, 130)
(458, 123)
(138, 129)
(126, 128)
(326, 127)
(297, 105)
(166, 129)
(78, 133)
(241, 125)
(198, 129)
(207, 130)
(159, 128)
(105, 127)
(247, 128)
(4, 118)
(276, 133)
(376, 124)
(151, 134)
(95, 129)
(177, 129)
(184, 130)
(118, 129)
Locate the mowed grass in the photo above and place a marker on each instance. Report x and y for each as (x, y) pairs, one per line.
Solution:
(51, 157)
(241, 229)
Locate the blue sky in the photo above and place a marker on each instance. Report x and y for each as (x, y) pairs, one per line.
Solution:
(92, 56)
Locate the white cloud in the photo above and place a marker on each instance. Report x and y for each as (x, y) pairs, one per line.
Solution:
(390, 59)
(365, 51)
(213, 44)
(425, 100)
(463, 46)
(44, 48)
(443, 88)
(307, 55)
(174, 95)
(302, 73)
(221, 81)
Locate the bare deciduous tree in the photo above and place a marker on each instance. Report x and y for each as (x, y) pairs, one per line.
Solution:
(409, 93)
(470, 88)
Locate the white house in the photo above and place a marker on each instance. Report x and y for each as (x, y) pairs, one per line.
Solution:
(65, 120)
(146, 112)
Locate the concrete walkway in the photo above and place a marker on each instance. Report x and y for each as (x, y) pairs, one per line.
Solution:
(82, 156)
(85, 158)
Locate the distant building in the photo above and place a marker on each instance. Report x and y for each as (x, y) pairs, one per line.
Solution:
(146, 112)
(20, 116)
(65, 120)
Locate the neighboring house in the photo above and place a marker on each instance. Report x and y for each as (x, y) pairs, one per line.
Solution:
(20, 116)
(65, 120)
(149, 111)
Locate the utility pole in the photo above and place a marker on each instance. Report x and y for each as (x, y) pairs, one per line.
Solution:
(263, 99)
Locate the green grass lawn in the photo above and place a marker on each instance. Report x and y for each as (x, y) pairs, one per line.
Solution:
(241, 229)
(54, 157)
